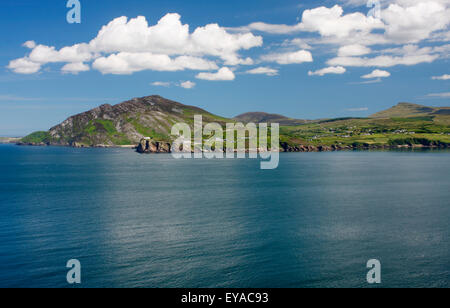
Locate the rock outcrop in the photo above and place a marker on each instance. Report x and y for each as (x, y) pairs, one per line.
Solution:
(149, 146)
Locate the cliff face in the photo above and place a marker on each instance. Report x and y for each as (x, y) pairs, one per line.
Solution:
(120, 125)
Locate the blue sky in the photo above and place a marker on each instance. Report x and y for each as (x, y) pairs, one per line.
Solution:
(303, 59)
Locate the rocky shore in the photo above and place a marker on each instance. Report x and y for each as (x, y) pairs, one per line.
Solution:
(148, 146)
(73, 145)
(323, 148)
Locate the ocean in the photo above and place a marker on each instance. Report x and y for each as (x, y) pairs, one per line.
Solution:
(152, 221)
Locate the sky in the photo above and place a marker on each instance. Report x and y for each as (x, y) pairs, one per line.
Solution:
(305, 59)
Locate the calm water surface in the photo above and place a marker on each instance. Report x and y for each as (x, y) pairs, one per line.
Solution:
(152, 221)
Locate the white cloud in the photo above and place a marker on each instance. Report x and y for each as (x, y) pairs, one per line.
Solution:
(377, 74)
(73, 54)
(29, 44)
(383, 61)
(289, 57)
(171, 37)
(326, 21)
(328, 70)
(127, 63)
(298, 42)
(272, 29)
(358, 109)
(353, 50)
(368, 81)
(24, 66)
(443, 77)
(125, 46)
(333, 22)
(75, 68)
(161, 84)
(263, 71)
(439, 95)
(402, 23)
(415, 20)
(224, 74)
(188, 84)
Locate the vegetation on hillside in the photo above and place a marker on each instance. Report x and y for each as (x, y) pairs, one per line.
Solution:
(153, 117)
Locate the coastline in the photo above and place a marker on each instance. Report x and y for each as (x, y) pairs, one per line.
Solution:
(283, 149)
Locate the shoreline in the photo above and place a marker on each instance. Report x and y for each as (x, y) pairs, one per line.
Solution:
(290, 149)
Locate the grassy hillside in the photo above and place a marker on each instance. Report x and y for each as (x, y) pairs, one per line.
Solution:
(370, 132)
(407, 110)
(262, 117)
(123, 124)
(127, 123)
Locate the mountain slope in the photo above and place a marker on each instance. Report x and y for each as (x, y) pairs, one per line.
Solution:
(123, 124)
(407, 110)
(262, 117)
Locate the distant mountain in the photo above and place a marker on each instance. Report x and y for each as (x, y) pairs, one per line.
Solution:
(8, 140)
(262, 117)
(407, 110)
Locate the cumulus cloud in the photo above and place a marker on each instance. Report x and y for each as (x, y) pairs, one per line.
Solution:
(443, 77)
(353, 39)
(170, 37)
(328, 70)
(75, 68)
(188, 84)
(297, 57)
(353, 50)
(224, 74)
(24, 66)
(263, 71)
(377, 74)
(326, 21)
(126, 63)
(29, 44)
(125, 46)
(416, 22)
(45, 54)
(402, 23)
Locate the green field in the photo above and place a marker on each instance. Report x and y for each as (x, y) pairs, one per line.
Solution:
(352, 132)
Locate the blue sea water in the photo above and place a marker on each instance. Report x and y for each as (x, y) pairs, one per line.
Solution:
(151, 221)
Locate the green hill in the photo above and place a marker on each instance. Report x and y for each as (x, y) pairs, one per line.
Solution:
(407, 110)
(126, 124)
(262, 117)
